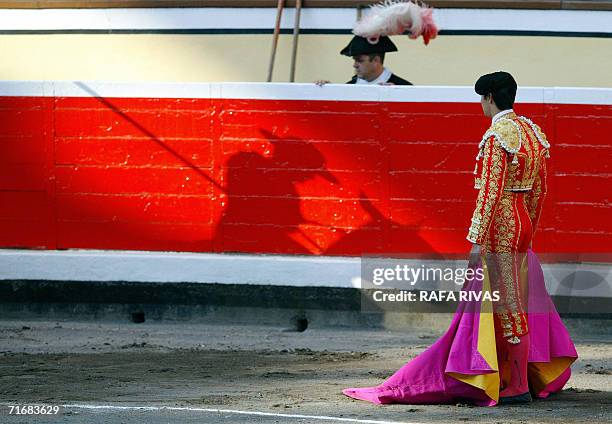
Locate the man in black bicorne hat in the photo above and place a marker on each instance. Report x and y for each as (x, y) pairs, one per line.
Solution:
(369, 61)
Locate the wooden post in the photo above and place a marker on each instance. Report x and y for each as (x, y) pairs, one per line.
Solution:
(279, 14)
(296, 34)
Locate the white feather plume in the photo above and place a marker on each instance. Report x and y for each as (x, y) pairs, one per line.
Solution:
(394, 17)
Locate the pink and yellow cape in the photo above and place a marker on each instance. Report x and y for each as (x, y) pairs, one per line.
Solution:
(462, 365)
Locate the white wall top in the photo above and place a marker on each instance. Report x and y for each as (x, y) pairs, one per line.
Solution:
(492, 20)
(287, 91)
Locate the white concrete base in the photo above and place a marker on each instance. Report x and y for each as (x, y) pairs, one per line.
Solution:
(579, 280)
(174, 267)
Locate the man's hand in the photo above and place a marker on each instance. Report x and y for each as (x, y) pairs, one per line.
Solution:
(474, 255)
(321, 83)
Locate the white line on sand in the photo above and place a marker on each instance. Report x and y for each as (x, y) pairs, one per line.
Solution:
(232, 411)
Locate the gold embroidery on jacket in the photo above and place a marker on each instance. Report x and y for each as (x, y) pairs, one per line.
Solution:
(511, 179)
(493, 175)
(521, 138)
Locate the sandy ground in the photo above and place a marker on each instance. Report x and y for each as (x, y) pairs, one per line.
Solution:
(249, 368)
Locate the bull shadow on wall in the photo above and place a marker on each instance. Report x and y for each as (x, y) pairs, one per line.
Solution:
(279, 198)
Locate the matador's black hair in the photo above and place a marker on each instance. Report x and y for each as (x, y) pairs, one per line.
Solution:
(501, 85)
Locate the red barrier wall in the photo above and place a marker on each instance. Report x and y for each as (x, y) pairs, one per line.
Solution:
(267, 176)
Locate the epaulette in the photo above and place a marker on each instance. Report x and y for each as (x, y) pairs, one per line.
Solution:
(507, 134)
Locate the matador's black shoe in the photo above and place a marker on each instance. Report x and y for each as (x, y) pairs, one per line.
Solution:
(513, 400)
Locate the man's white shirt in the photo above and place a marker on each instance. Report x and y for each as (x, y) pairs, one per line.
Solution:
(382, 78)
(501, 114)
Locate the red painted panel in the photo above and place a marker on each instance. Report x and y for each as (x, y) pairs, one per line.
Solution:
(134, 236)
(22, 177)
(102, 103)
(134, 152)
(21, 122)
(252, 238)
(368, 238)
(134, 208)
(302, 239)
(585, 217)
(128, 104)
(88, 179)
(442, 109)
(590, 188)
(420, 240)
(23, 205)
(432, 156)
(308, 126)
(332, 156)
(579, 159)
(300, 183)
(593, 111)
(278, 176)
(19, 102)
(18, 233)
(534, 110)
(136, 123)
(432, 185)
(583, 130)
(573, 242)
(427, 214)
(295, 211)
(22, 149)
(466, 129)
(301, 105)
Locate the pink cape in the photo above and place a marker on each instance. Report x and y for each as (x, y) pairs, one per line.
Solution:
(461, 366)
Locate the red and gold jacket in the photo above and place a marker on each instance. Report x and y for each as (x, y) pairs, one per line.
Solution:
(511, 157)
